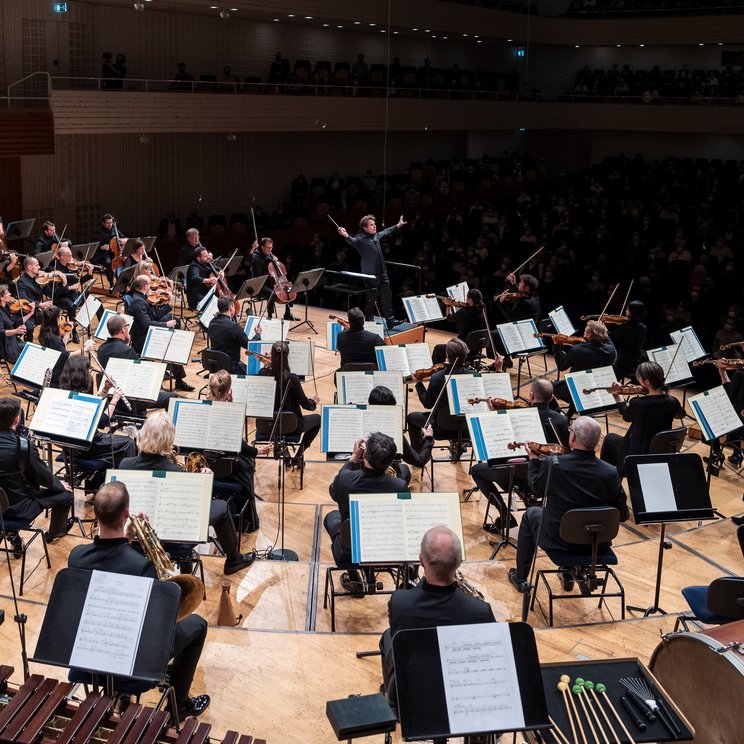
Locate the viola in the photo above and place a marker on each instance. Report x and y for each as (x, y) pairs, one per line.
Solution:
(561, 338)
(265, 359)
(540, 449)
(619, 390)
(20, 306)
(424, 374)
(344, 323)
(282, 286)
(608, 319)
(721, 363)
(499, 404)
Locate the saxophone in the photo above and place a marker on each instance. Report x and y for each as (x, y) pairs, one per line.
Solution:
(467, 587)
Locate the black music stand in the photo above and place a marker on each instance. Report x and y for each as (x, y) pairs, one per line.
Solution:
(20, 229)
(249, 291)
(506, 539)
(45, 259)
(664, 489)
(422, 702)
(62, 619)
(149, 241)
(306, 281)
(125, 278)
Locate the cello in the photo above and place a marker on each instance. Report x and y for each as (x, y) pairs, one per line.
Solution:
(282, 286)
(220, 288)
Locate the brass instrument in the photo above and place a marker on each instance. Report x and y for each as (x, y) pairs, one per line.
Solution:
(467, 587)
(196, 462)
(192, 589)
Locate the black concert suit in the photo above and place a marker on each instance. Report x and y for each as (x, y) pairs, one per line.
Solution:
(426, 606)
(227, 336)
(295, 401)
(195, 289)
(62, 296)
(45, 243)
(578, 480)
(103, 257)
(373, 262)
(355, 478)
(525, 308)
(186, 254)
(577, 358)
(358, 347)
(628, 339)
(29, 290)
(648, 415)
(57, 343)
(116, 555)
(259, 267)
(485, 474)
(467, 319)
(219, 515)
(30, 485)
(10, 345)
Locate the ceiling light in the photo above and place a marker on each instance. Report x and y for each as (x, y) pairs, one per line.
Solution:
(444, 37)
(576, 46)
(290, 15)
(357, 23)
(382, 31)
(433, 36)
(427, 31)
(510, 40)
(231, 137)
(234, 10)
(477, 37)
(464, 34)
(308, 18)
(224, 15)
(339, 26)
(641, 45)
(372, 24)
(276, 20)
(414, 29)
(618, 46)
(326, 25)
(395, 32)
(701, 44)
(139, 5)
(480, 41)
(144, 139)
(720, 43)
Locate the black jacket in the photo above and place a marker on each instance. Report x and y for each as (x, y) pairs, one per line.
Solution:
(145, 315)
(628, 339)
(587, 355)
(648, 415)
(467, 319)
(149, 462)
(296, 399)
(358, 347)
(115, 348)
(227, 336)
(29, 290)
(10, 346)
(357, 478)
(114, 555)
(525, 308)
(370, 251)
(195, 289)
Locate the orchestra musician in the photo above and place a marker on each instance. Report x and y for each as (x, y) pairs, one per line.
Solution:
(102, 256)
(66, 294)
(145, 315)
(628, 339)
(200, 277)
(137, 253)
(111, 551)
(578, 480)
(227, 336)
(260, 260)
(49, 240)
(10, 268)
(188, 250)
(29, 289)
(244, 468)
(28, 482)
(12, 327)
(521, 303)
(357, 345)
(155, 444)
(467, 319)
(647, 414)
(295, 400)
(487, 476)
(365, 472)
(52, 335)
(367, 244)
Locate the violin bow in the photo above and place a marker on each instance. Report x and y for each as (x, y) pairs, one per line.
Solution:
(490, 336)
(555, 431)
(438, 398)
(627, 296)
(676, 351)
(312, 362)
(253, 218)
(522, 265)
(604, 310)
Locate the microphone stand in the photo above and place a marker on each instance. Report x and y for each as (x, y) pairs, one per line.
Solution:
(416, 267)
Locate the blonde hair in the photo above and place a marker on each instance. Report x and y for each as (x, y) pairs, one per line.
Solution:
(220, 385)
(597, 330)
(157, 435)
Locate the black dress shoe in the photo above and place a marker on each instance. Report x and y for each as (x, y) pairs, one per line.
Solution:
(17, 546)
(184, 386)
(567, 579)
(352, 585)
(520, 585)
(245, 560)
(194, 706)
(291, 317)
(736, 459)
(738, 520)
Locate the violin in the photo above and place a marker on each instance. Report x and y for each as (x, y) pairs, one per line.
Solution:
(282, 286)
(64, 327)
(507, 296)
(80, 266)
(725, 347)
(561, 338)
(721, 363)
(20, 306)
(344, 323)
(159, 297)
(265, 359)
(162, 283)
(608, 319)
(6, 255)
(49, 277)
(619, 390)
(540, 449)
(499, 404)
(424, 374)
(447, 300)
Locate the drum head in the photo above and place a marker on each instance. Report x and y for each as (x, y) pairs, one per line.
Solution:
(708, 687)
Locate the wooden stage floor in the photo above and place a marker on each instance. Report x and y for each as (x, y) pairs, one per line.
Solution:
(272, 675)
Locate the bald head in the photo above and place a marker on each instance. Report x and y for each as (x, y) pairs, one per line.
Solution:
(586, 433)
(541, 390)
(441, 555)
(111, 505)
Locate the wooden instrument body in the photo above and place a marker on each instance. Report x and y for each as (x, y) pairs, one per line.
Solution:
(282, 286)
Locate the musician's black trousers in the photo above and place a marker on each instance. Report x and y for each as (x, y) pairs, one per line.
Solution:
(188, 641)
(486, 476)
(527, 541)
(384, 294)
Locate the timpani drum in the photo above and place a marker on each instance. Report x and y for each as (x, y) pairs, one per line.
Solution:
(704, 675)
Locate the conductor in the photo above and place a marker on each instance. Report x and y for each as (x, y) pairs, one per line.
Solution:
(367, 245)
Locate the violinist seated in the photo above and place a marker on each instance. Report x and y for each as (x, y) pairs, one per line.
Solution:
(244, 468)
(106, 233)
(490, 478)
(49, 240)
(597, 351)
(578, 480)
(55, 334)
(357, 345)
(467, 319)
(457, 354)
(12, 325)
(136, 253)
(29, 289)
(733, 384)
(519, 303)
(227, 336)
(148, 314)
(647, 414)
(65, 294)
(629, 339)
(200, 277)
(11, 266)
(260, 260)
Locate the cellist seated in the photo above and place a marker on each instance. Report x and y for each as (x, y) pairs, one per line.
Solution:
(199, 278)
(261, 260)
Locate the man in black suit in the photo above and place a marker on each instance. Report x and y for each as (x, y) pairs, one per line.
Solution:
(365, 472)
(102, 256)
(525, 306)
(435, 600)
(578, 480)
(187, 252)
(110, 551)
(357, 345)
(29, 484)
(199, 277)
(227, 336)
(261, 257)
(146, 315)
(367, 245)
(48, 240)
(29, 290)
(487, 475)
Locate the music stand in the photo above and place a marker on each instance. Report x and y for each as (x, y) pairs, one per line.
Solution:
(249, 292)
(20, 229)
(305, 281)
(45, 259)
(663, 489)
(422, 689)
(123, 280)
(149, 241)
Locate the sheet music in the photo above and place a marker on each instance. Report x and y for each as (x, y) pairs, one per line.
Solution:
(591, 378)
(374, 327)
(387, 528)
(392, 357)
(680, 370)
(102, 333)
(355, 387)
(177, 503)
(714, 413)
(85, 314)
(141, 380)
(459, 291)
(526, 425)
(272, 329)
(656, 486)
(692, 349)
(256, 392)
(168, 345)
(422, 308)
(419, 356)
(385, 419)
(464, 387)
(33, 362)
(204, 424)
(67, 415)
(209, 309)
(301, 357)
(111, 623)
(332, 330)
(561, 322)
(481, 686)
(492, 432)
(341, 426)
